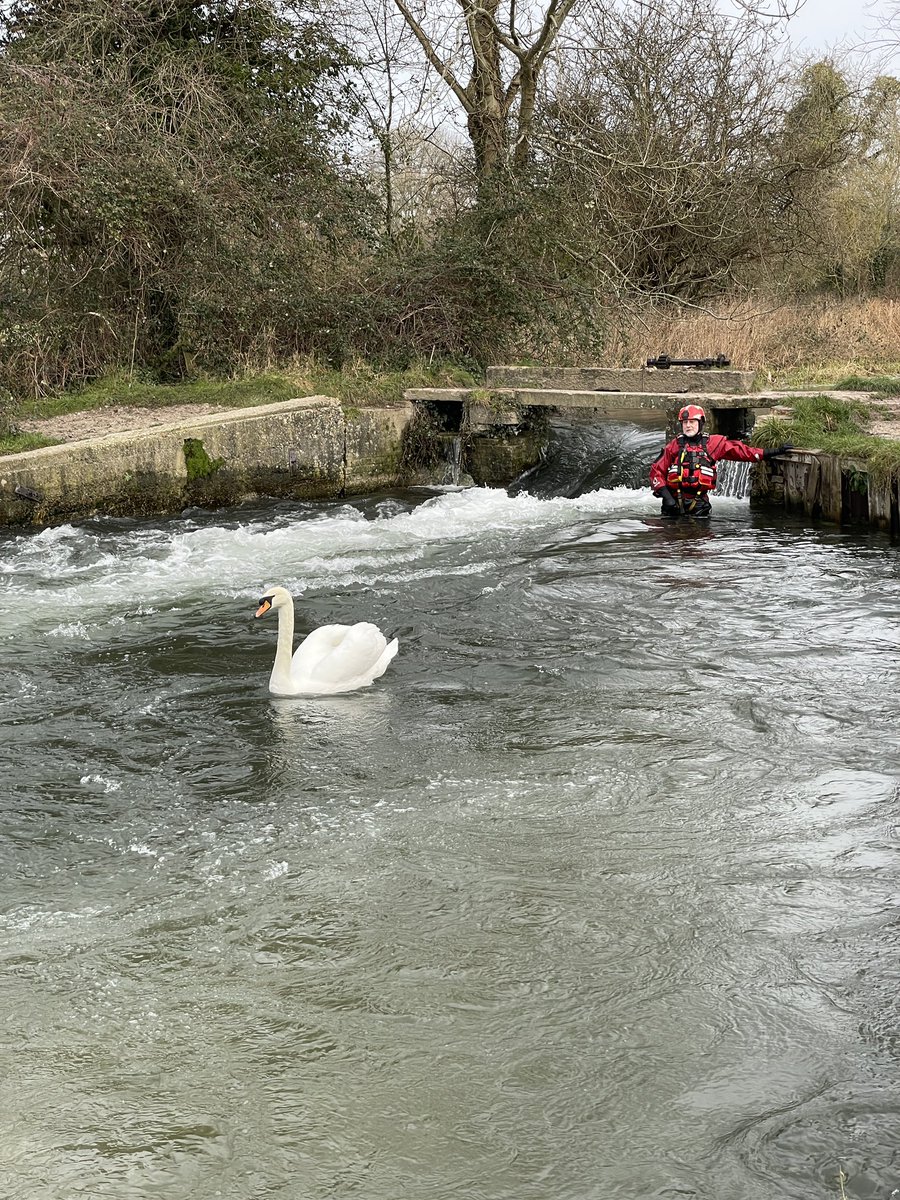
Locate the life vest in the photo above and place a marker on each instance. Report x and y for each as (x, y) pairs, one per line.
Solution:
(693, 470)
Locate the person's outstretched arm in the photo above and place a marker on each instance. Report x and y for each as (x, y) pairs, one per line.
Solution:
(722, 447)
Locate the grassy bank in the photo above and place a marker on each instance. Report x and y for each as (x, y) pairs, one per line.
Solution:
(835, 427)
(357, 384)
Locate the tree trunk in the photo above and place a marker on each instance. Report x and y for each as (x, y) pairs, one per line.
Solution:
(527, 99)
(487, 115)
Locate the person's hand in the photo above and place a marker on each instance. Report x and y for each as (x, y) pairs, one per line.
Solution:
(669, 503)
(785, 449)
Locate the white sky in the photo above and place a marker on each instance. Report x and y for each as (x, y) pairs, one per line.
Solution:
(821, 25)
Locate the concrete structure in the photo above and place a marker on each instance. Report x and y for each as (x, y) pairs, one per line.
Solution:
(514, 394)
(310, 448)
(836, 489)
(487, 400)
(315, 448)
(672, 380)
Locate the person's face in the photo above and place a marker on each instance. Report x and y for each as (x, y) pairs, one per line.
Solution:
(690, 427)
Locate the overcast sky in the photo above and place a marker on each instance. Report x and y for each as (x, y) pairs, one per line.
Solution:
(822, 24)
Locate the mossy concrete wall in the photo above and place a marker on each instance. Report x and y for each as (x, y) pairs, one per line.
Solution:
(310, 448)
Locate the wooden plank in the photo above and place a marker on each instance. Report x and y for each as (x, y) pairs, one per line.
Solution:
(832, 488)
(674, 381)
(880, 497)
(812, 492)
(795, 473)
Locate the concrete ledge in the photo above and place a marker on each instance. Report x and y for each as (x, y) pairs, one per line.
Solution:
(309, 448)
(602, 401)
(614, 401)
(673, 381)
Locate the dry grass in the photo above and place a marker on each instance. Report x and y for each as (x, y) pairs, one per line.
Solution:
(812, 341)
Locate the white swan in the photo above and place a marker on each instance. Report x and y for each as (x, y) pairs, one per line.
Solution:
(333, 658)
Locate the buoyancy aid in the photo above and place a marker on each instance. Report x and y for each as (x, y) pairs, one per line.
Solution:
(693, 469)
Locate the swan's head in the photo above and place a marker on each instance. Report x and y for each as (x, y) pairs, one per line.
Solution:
(273, 597)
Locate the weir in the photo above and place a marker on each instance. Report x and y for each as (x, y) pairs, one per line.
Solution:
(507, 423)
(315, 448)
(519, 395)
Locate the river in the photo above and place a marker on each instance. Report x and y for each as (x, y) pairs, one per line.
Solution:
(593, 896)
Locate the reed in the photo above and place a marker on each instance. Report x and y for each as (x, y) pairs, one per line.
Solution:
(796, 343)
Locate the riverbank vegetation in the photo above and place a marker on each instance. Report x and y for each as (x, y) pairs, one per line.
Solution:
(198, 195)
(354, 383)
(836, 427)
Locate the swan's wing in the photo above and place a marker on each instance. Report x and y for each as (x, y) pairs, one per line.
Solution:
(356, 657)
(315, 647)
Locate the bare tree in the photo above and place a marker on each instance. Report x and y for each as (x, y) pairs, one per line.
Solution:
(662, 140)
(503, 54)
(410, 148)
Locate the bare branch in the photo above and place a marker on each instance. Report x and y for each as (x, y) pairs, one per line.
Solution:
(433, 57)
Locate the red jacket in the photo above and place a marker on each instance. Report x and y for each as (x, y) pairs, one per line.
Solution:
(717, 447)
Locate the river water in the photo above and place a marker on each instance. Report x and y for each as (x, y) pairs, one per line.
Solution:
(593, 895)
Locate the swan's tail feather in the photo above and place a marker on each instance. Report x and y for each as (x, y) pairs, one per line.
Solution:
(367, 678)
(384, 662)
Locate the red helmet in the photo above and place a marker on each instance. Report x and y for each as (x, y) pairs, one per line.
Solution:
(692, 412)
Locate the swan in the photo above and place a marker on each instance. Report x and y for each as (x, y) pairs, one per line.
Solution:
(333, 658)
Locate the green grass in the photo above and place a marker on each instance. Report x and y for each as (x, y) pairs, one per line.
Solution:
(18, 443)
(135, 393)
(881, 385)
(836, 427)
(357, 384)
(361, 385)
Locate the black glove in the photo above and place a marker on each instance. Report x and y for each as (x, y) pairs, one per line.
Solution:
(669, 503)
(778, 450)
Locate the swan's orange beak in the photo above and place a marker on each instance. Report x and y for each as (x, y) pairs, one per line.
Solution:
(264, 606)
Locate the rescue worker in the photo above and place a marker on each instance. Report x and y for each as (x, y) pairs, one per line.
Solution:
(684, 472)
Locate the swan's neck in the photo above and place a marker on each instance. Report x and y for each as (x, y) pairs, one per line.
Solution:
(281, 670)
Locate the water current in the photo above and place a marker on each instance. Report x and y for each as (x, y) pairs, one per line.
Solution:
(593, 896)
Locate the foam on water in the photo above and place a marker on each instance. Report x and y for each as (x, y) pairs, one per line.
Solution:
(68, 579)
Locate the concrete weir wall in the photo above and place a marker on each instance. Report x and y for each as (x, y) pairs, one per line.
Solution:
(310, 448)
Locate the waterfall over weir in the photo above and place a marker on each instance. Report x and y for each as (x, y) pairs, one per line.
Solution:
(582, 456)
(733, 479)
(585, 455)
